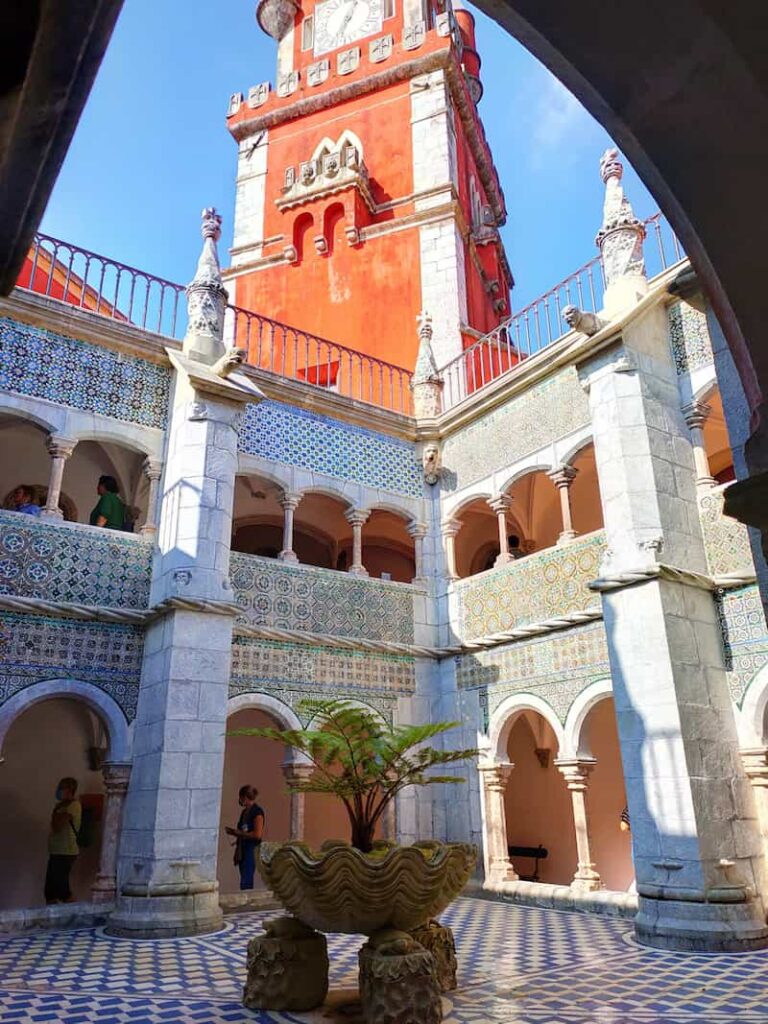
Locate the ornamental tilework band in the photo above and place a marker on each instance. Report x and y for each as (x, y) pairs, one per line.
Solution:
(70, 563)
(536, 588)
(35, 648)
(745, 637)
(81, 375)
(726, 540)
(556, 668)
(320, 600)
(281, 433)
(528, 422)
(689, 338)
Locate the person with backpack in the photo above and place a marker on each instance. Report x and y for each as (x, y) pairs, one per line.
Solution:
(63, 844)
(248, 835)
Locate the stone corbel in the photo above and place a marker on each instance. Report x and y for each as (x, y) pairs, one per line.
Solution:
(321, 245)
(290, 254)
(353, 235)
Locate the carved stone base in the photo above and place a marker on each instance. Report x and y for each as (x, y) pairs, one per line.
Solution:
(438, 940)
(398, 982)
(287, 967)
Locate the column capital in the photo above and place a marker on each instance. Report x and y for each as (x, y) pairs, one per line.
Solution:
(297, 771)
(562, 476)
(755, 761)
(152, 468)
(357, 516)
(116, 777)
(450, 527)
(696, 414)
(500, 503)
(576, 771)
(60, 447)
(496, 774)
(416, 529)
(290, 499)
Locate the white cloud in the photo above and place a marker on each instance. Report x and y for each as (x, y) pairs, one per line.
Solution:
(559, 120)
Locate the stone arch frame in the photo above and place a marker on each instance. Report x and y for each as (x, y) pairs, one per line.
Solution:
(327, 145)
(100, 702)
(27, 411)
(277, 709)
(454, 511)
(520, 474)
(271, 472)
(589, 698)
(358, 703)
(125, 435)
(328, 490)
(507, 713)
(570, 455)
(750, 718)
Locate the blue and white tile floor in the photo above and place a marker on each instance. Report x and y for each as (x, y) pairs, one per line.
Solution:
(518, 965)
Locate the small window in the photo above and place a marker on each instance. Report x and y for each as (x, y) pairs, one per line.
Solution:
(389, 9)
(308, 32)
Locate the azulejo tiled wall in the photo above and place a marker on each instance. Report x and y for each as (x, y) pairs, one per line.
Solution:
(81, 375)
(689, 338)
(320, 600)
(745, 637)
(36, 648)
(555, 667)
(541, 586)
(319, 443)
(529, 421)
(294, 672)
(726, 540)
(75, 564)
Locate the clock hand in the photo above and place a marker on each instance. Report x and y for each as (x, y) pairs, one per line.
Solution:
(348, 17)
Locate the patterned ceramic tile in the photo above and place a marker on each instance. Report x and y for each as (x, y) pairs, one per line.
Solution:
(76, 373)
(745, 637)
(529, 421)
(320, 600)
(536, 588)
(296, 437)
(555, 667)
(726, 540)
(36, 648)
(79, 565)
(689, 338)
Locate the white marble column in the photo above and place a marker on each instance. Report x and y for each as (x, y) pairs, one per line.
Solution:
(418, 531)
(562, 478)
(60, 449)
(116, 778)
(576, 772)
(696, 415)
(289, 502)
(500, 505)
(297, 772)
(498, 865)
(153, 469)
(357, 518)
(449, 528)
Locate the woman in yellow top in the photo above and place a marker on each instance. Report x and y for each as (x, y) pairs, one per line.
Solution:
(62, 842)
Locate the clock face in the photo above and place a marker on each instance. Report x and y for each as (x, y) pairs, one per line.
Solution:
(340, 22)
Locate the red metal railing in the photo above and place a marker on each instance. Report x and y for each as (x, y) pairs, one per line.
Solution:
(539, 324)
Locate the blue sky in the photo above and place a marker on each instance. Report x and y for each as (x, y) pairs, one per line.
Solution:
(152, 147)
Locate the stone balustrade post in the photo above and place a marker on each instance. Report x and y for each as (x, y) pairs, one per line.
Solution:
(562, 478)
(60, 449)
(153, 469)
(576, 773)
(293, 772)
(498, 865)
(116, 777)
(418, 531)
(289, 502)
(449, 529)
(696, 415)
(357, 517)
(500, 505)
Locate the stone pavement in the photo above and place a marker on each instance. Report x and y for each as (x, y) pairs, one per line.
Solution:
(517, 965)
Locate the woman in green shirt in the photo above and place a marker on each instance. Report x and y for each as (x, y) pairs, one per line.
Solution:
(62, 842)
(109, 511)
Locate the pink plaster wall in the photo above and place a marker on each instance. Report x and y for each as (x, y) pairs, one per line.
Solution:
(44, 744)
(538, 805)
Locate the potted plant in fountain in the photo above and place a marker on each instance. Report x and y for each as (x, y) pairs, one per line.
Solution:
(367, 885)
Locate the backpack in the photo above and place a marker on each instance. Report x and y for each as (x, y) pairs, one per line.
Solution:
(86, 834)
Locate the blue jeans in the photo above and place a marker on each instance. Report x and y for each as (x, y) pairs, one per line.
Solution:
(247, 865)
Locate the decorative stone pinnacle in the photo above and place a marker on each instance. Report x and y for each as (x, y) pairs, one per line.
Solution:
(211, 226)
(611, 165)
(425, 370)
(207, 297)
(424, 320)
(620, 239)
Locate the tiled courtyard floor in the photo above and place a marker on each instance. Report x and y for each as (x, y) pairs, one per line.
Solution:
(517, 966)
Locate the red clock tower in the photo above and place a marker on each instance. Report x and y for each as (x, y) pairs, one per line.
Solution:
(366, 190)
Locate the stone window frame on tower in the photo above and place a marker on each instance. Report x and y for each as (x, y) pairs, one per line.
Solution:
(308, 33)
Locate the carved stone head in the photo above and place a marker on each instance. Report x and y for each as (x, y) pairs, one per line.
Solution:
(572, 315)
(431, 462)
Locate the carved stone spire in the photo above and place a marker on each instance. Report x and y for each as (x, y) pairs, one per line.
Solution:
(426, 384)
(620, 239)
(206, 298)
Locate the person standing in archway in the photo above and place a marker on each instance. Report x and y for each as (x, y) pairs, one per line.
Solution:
(62, 842)
(109, 511)
(249, 832)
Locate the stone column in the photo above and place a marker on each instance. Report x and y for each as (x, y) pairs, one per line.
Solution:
(562, 478)
(294, 772)
(500, 505)
(116, 778)
(418, 531)
(357, 517)
(449, 529)
(289, 503)
(756, 769)
(60, 449)
(153, 469)
(576, 773)
(498, 865)
(696, 414)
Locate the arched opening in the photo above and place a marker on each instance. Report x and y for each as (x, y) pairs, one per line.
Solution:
(322, 535)
(611, 845)
(717, 444)
(92, 459)
(536, 506)
(249, 760)
(586, 506)
(333, 226)
(388, 549)
(257, 516)
(52, 739)
(25, 462)
(302, 235)
(538, 805)
(477, 542)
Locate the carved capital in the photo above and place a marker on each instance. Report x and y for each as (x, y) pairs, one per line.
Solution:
(450, 527)
(357, 516)
(417, 529)
(116, 778)
(562, 476)
(576, 772)
(153, 468)
(500, 503)
(60, 447)
(290, 499)
(495, 775)
(696, 414)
